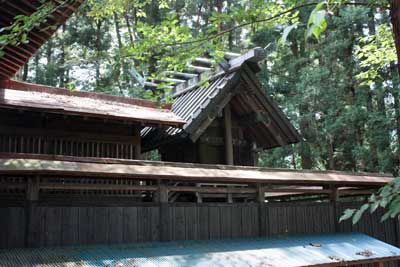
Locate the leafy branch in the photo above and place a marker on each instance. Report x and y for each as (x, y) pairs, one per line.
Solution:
(18, 31)
(388, 197)
(280, 14)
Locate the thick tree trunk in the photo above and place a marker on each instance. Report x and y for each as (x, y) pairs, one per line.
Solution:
(305, 150)
(395, 20)
(37, 69)
(121, 59)
(49, 57)
(62, 59)
(25, 72)
(98, 52)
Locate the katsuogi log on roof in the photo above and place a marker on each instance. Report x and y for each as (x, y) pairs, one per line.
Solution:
(231, 83)
(25, 96)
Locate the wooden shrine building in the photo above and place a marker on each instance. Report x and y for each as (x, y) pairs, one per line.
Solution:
(72, 173)
(228, 115)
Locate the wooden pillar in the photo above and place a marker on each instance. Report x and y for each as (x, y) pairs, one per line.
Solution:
(199, 197)
(138, 145)
(164, 213)
(230, 198)
(32, 196)
(228, 135)
(262, 212)
(334, 197)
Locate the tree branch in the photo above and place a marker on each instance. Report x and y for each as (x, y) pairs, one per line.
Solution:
(221, 33)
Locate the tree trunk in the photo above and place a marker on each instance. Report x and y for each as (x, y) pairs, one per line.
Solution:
(98, 51)
(25, 72)
(62, 58)
(37, 68)
(305, 150)
(395, 20)
(49, 57)
(120, 58)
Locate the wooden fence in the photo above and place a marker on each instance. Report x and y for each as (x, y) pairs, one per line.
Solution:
(54, 225)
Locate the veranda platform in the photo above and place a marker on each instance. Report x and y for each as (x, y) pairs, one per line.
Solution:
(294, 251)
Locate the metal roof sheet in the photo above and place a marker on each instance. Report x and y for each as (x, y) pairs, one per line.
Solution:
(55, 100)
(294, 251)
(137, 169)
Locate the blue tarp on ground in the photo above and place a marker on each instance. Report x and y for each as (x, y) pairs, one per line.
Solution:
(313, 250)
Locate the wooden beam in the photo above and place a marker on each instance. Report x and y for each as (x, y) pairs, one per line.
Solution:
(98, 187)
(212, 190)
(228, 135)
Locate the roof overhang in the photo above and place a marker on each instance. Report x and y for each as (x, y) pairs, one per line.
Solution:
(25, 96)
(138, 169)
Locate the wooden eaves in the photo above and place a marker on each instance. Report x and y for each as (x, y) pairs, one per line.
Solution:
(138, 169)
(15, 56)
(40, 98)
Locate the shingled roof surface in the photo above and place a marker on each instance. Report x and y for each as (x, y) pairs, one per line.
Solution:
(199, 103)
(15, 56)
(25, 96)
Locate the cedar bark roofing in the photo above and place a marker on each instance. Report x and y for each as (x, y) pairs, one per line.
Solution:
(139, 169)
(25, 96)
(17, 55)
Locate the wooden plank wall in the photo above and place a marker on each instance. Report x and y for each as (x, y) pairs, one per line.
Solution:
(66, 146)
(80, 224)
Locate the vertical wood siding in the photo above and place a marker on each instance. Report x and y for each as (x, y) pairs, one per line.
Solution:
(66, 147)
(73, 225)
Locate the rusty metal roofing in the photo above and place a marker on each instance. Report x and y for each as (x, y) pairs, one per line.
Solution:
(293, 251)
(17, 95)
(199, 103)
(15, 56)
(137, 169)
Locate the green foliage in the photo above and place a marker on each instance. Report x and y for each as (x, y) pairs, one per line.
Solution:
(388, 197)
(17, 32)
(317, 22)
(375, 54)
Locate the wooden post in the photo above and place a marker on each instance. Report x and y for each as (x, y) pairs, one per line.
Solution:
(164, 212)
(138, 147)
(228, 135)
(32, 196)
(378, 264)
(230, 199)
(262, 213)
(334, 196)
(199, 196)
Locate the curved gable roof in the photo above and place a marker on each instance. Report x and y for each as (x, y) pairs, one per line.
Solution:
(199, 103)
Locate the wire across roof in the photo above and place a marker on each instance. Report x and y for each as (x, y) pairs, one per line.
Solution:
(299, 251)
(137, 169)
(26, 96)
